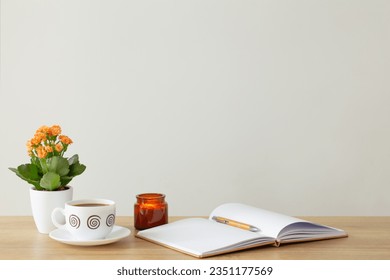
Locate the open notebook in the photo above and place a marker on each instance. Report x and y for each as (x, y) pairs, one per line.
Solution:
(201, 237)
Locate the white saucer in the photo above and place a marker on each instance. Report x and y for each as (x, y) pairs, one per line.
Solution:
(64, 236)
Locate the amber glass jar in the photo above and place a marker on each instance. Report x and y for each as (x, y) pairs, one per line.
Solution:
(150, 210)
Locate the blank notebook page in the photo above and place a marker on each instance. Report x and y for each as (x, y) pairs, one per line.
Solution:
(198, 236)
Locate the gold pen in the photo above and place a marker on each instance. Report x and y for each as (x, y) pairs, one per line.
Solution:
(235, 224)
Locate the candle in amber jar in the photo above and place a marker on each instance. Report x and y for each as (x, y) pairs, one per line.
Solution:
(150, 210)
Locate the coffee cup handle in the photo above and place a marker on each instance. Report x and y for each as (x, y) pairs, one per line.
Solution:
(54, 217)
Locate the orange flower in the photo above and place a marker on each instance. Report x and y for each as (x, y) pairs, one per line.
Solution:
(43, 129)
(41, 152)
(54, 130)
(46, 141)
(37, 139)
(29, 146)
(65, 139)
(49, 149)
(59, 147)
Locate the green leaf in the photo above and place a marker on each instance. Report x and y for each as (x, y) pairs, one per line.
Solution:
(28, 172)
(50, 181)
(58, 165)
(74, 159)
(43, 165)
(65, 180)
(13, 169)
(76, 169)
(35, 161)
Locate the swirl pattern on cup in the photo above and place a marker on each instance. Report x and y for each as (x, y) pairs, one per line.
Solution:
(93, 222)
(74, 221)
(110, 220)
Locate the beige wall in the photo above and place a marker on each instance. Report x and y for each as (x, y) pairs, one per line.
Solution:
(279, 104)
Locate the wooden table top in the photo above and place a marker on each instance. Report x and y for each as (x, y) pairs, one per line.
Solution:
(369, 239)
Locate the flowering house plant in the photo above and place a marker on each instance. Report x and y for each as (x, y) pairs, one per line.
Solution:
(48, 168)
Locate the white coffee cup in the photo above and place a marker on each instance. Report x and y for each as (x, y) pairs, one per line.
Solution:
(87, 219)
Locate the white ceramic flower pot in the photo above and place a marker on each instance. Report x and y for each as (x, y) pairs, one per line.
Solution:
(43, 204)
